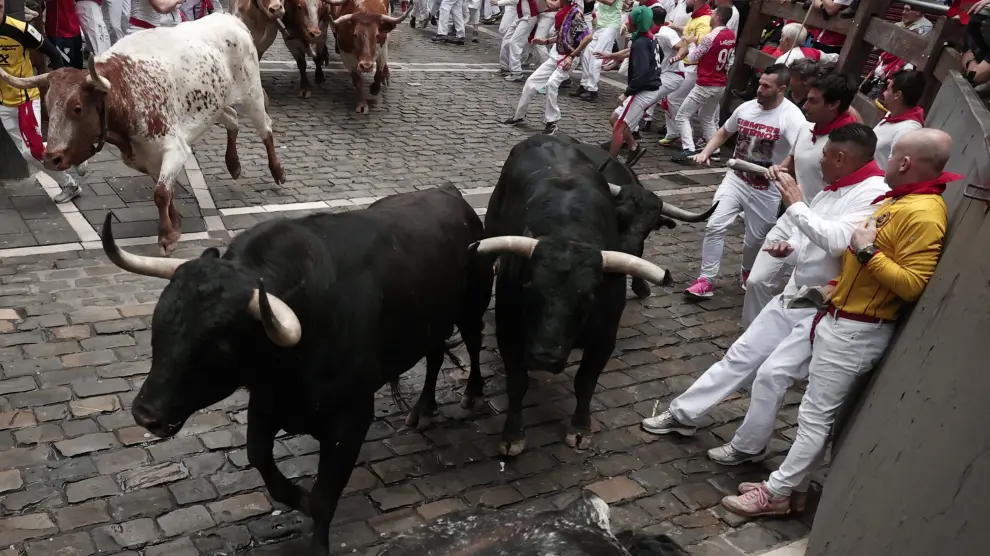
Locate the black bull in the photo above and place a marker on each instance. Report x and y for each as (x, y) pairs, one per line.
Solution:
(640, 211)
(581, 529)
(313, 316)
(561, 284)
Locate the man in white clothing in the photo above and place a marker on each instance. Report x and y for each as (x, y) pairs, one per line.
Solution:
(94, 25)
(767, 127)
(776, 348)
(608, 19)
(901, 98)
(451, 15)
(516, 36)
(827, 108)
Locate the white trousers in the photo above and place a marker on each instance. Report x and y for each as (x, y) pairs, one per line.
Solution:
(11, 124)
(734, 196)
(844, 350)
(118, 13)
(767, 278)
(547, 75)
(508, 17)
(544, 28)
(514, 41)
(775, 350)
(94, 26)
(451, 10)
(674, 101)
(669, 82)
(703, 101)
(422, 10)
(591, 67)
(632, 109)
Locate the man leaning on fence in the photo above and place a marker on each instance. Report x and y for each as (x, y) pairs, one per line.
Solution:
(890, 260)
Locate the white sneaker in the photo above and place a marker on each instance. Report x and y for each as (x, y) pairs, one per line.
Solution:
(666, 423)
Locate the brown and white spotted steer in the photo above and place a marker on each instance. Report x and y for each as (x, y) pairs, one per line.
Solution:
(361, 29)
(154, 94)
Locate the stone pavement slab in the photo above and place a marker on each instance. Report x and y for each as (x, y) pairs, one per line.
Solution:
(77, 476)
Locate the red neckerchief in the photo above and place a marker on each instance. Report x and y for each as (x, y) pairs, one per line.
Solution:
(930, 187)
(704, 10)
(916, 113)
(868, 170)
(28, 124)
(842, 119)
(812, 53)
(957, 8)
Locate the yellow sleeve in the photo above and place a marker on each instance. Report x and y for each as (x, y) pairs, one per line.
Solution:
(907, 271)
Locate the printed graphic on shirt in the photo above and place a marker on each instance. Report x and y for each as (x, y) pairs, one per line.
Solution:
(755, 143)
(883, 219)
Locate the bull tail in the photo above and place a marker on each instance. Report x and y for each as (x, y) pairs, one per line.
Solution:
(395, 391)
(641, 544)
(449, 348)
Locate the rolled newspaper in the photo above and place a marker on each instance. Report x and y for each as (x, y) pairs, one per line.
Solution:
(748, 167)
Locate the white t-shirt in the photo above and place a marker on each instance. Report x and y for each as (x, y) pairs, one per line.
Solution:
(808, 161)
(765, 137)
(887, 136)
(664, 40)
(734, 22)
(679, 15)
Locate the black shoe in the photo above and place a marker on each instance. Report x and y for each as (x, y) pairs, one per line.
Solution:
(511, 121)
(589, 96)
(646, 126)
(636, 135)
(635, 155)
(433, 21)
(412, 22)
(550, 128)
(566, 83)
(579, 91)
(459, 41)
(439, 38)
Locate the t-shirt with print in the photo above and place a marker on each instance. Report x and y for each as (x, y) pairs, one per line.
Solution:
(765, 137)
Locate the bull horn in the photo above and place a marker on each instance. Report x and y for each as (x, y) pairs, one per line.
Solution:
(159, 267)
(520, 245)
(615, 189)
(685, 216)
(624, 263)
(96, 79)
(397, 20)
(341, 20)
(281, 323)
(24, 83)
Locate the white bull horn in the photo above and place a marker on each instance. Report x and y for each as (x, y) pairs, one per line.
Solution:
(520, 245)
(624, 263)
(96, 79)
(159, 267)
(615, 189)
(397, 20)
(24, 83)
(341, 20)
(281, 323)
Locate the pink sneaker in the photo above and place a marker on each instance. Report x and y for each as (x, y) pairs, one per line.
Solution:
(798, 499)
(746, 487)
(745, 278)
(757, 502)
(700, 289)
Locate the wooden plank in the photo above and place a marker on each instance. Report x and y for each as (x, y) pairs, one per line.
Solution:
(906, 45)
(944, 31)
(867, 109)
(758, 59)
(852, 58)
(749, 36)
(949, 60)
(796, 13)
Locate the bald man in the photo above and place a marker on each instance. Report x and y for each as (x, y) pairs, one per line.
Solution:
(890, 259)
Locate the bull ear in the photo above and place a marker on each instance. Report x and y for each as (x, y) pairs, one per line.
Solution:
(210, 253)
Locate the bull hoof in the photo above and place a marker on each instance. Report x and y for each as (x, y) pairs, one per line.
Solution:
(278, 172)
(362, 108)
(417, 421)
(513, 448)
(305, 93)
(578, 438)
(374, 90)
(640, 288)
(234, 167)
(474, 403)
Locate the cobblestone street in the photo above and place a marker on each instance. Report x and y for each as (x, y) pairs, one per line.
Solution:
(78, 477)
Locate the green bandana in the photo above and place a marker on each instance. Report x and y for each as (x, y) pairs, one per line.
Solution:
(642, 20)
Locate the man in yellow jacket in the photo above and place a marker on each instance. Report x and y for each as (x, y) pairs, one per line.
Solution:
(890, 259)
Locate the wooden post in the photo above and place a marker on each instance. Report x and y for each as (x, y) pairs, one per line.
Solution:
(944, 32)
(855, 51)
(749, 37)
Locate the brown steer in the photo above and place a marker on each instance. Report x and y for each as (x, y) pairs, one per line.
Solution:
(361, 29)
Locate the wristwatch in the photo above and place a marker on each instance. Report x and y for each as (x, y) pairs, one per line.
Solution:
(865, 253)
